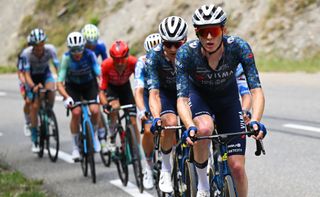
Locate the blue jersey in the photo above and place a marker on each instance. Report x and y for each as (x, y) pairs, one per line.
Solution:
(79, 72)
(101, 50)
(192, 66)
(140, 79)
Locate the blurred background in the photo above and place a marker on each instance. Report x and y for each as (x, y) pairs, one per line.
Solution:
(284, 34)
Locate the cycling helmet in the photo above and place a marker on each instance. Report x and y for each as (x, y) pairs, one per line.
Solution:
(209, 15)
(75, 40)
(151, 41)
(36, 36)
(173, 28)
(90, 33)
(119, 49)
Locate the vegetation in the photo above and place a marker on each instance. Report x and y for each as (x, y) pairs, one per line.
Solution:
(13, 183)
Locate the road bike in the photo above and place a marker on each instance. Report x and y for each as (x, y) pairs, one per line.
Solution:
(127, 148)
(220, 178)
(48, 137)
(86, 139)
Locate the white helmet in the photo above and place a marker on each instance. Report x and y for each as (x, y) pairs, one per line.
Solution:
(75, 39)
(36, 36)
(90, 33)
(173, 28)
(209, 15)
(151, 41)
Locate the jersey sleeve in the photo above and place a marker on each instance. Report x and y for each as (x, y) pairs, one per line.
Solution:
(53, 53)
(63, 68)
(248, 65)
(242, 85)
(95, 65)
(139, 74)
(104, 51)
(152, 70)
(104, 76)
(182, 79)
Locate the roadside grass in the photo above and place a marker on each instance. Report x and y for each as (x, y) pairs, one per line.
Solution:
(310, 65)
(7, 69)
(14, 183)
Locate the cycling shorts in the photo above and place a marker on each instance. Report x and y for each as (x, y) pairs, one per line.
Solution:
(43, 79)
(87, 91)
(168, 101)
(227, 114)
(124, 94)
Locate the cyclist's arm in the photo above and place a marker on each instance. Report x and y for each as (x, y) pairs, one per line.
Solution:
(104, 79)
(62, 75)
(258, 104)
(246, 102)
(155, 103)
(244, 91)
(104, 52)
(184, 111)
(139, 84)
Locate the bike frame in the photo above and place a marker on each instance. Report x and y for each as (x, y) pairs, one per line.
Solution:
(86, 119)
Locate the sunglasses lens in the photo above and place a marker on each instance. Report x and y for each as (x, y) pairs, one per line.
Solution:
(170, 44)
(213, 31)
(77, 50)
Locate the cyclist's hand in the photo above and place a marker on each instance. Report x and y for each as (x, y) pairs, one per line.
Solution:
(259, 128)
(106, 108)
(156, 123)
(189, 134)
(68, 102)
(142, 114)
(246, 116)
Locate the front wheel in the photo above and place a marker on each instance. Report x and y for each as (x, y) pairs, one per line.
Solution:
(90, 149)
(228, 187)
(135, 156)
(41, 134)
(190, 179)
(120, 157)
(52, 137)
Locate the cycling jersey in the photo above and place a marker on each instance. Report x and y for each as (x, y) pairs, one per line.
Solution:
(193, 66)
(242, 81)
(79, 72)
(40, 66)
(140, 80)
(101, 50)
(161, 73)
(109, 75)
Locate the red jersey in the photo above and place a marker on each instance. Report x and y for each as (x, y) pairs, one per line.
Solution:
(110, 75)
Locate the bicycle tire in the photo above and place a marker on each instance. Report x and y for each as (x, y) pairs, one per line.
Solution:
(41, 135)
(178, 185)
(105, 157)
(83, 155)
(90, 149)
(120, 157)
(190, 179)
(53, 143)
(228, 187)
(135, 156)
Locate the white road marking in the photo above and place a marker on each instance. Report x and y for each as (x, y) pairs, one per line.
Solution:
(130, 189)
(62, 155)
(302, 127)
(3, 93)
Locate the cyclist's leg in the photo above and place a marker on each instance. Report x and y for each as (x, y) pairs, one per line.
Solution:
(230, 119)
(26, 108)
(50, 84)
(202, 117)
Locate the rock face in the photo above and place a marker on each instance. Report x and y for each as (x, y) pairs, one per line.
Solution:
(286, 28)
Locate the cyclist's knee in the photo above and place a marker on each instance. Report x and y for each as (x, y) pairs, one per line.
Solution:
(237, 168)
(76, 112)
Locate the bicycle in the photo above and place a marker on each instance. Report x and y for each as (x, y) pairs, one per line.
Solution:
(220, 178)
(128, 151)
(182, 167)
(48, 137)
(86, 139)
(105, 157)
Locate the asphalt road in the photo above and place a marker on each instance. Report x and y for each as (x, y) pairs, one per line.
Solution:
(290, 167)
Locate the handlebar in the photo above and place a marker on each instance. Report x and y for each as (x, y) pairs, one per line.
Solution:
(122, 107)
(78, 103)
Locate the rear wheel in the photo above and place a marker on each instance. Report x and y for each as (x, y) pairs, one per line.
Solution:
(120, 157)
(89, 134)
(135, 156)
(83, 154)
(52, 137)
(228, 187)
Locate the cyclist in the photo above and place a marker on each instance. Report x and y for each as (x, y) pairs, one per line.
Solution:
(142, 98)
(91, 34)
(115, 88)
(23, 91)
(162, 89)
(206, 78)
(38, 75)
(77, 81)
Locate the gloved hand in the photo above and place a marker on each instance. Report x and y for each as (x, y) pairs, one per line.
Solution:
(68, 102)
(188, 134)
(259, 128)
(155, 125)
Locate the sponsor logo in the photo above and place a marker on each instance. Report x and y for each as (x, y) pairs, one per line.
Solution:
(230, 40)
